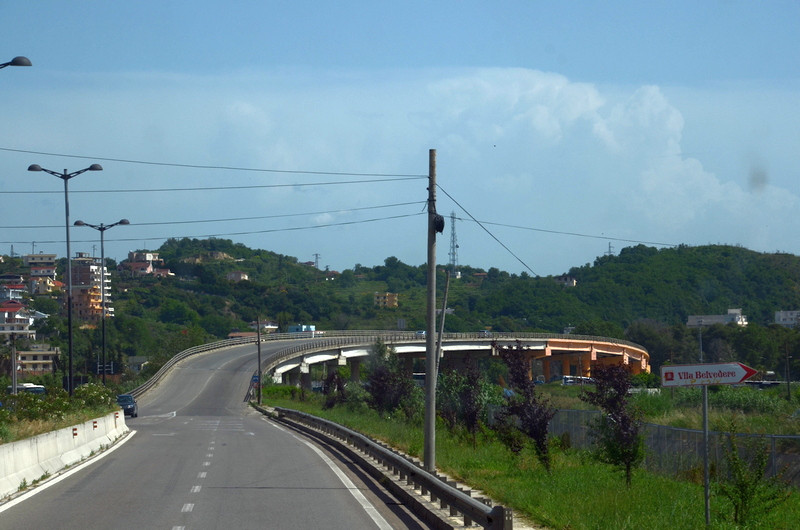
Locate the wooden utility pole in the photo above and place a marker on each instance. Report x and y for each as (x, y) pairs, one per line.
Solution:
(429, 460)
(258, 336)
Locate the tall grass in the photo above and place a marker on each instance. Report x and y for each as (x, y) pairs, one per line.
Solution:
(579, 494)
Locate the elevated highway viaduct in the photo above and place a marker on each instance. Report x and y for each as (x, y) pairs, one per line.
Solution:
(548, 354)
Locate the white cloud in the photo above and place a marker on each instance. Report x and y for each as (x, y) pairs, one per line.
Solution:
(515, 146)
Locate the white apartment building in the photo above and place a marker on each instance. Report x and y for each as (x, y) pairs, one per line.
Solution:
(733, 316)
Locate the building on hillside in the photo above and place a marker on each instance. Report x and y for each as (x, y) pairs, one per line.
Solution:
(237, 276)
(734, 316)
(11, 278)
(144, 263)
(242, 335)
(44, 285)
(12, 291)
(266, 326)
(40, 359)
(39, 260)
(41, 265)
(149, 257)
(787, 319)
(385, 299)
(137, 362)
(15, 319)
(566, 281)
(139, 268)
(90, 282)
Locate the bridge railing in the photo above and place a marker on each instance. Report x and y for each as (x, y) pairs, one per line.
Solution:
(446, 494)
(194, 350)
(329, 339)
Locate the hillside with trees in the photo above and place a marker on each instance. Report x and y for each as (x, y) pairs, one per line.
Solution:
(643, 294)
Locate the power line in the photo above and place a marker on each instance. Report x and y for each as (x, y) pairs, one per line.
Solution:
(215, 188)
(487, 231)
(576, 234)
(290, 229)
(225, 168)
(163, 223)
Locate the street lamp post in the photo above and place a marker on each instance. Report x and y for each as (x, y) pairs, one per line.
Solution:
(17, 61)
(102, 229)
(65, 177)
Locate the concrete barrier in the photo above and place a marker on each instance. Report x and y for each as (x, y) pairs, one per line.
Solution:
(29, 460)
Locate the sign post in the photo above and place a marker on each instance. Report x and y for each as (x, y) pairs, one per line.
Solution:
(704, 375)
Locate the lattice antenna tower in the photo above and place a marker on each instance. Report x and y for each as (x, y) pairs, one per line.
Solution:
(453, 244)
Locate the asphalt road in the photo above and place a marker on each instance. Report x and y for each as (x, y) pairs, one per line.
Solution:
(202, 459)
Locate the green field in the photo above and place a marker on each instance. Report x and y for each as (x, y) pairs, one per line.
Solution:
(579, 493)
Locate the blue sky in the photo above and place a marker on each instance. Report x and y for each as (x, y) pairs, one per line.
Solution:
(569, 126)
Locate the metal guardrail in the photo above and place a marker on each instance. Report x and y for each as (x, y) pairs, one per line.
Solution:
(446, 494)
(158, 376)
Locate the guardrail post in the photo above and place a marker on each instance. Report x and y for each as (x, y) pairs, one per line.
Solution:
(453, 511)
(467, 520)
(502, 518)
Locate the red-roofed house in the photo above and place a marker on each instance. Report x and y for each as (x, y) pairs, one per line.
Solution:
(141, 267)
(15, 320)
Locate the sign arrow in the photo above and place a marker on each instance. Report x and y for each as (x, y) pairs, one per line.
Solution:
(705, 374)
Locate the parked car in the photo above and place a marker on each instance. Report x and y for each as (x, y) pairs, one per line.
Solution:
(128, 405)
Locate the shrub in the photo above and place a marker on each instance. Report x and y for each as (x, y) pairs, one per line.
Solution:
(745, 485)
(617, 432)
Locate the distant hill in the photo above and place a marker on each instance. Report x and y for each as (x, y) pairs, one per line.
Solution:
(664, 285)
(644, 294)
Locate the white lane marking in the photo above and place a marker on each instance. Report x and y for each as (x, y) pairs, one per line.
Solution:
(178, 528)
(188, 507)
(362, 500)
(275, 425)
(167, 415)
(210, 455)
(202, 474)
(195, 489)
(206, 464)
(46, 484)
(211, 448)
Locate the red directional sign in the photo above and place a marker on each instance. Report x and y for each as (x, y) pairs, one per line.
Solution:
(705, 374)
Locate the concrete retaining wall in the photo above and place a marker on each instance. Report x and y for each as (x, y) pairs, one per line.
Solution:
(46, 454)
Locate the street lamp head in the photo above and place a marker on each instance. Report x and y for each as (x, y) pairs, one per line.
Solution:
(79, 223)
(17, 61)
(123, 222)
(34, 167)
(95, 167)
(20, 61)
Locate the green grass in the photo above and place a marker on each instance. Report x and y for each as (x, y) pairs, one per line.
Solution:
(579, 494)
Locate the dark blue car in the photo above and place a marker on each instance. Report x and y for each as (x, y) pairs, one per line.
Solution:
(128, 405)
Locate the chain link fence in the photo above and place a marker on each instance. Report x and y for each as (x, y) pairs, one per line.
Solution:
(679, 452)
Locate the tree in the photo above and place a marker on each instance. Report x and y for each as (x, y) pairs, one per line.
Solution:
(524, 405)
(390, 386)
(618, 431)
